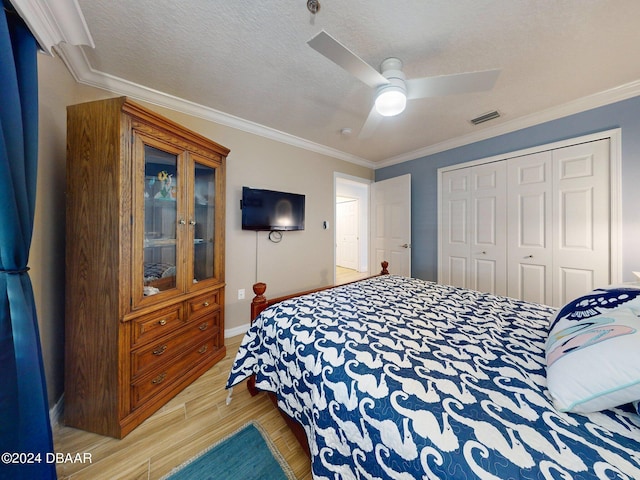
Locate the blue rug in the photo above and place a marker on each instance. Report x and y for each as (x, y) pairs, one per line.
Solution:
(247, 454)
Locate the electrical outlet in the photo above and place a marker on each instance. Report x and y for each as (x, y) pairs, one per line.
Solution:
(241, 294)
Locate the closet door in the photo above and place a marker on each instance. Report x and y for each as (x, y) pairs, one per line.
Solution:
(535, 227)
(455, 246)
(529, 232)
(581, 220)
(473, 233)
(488, 267)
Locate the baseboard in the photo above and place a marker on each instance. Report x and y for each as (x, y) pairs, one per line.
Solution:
(232, 332)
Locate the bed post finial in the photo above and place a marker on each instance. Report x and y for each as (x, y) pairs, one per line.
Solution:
(259, 289)
(384, 265)
(259, 302)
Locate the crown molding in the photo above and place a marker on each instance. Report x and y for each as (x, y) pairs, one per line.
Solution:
(54, 22)
(77, 63)
(79, 67)
(616, 94)
(60, 26)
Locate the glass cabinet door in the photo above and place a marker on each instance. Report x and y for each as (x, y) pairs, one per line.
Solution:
(160, 220)
(203, 222)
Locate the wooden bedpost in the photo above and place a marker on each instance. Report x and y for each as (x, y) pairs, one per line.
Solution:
(385, 265)
(259, 302)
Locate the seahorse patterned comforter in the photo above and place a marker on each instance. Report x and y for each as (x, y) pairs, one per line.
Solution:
(400, 378)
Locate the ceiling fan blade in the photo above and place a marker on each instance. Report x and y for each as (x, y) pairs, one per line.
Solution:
(373, 120)
(452, 84)
(342, 56)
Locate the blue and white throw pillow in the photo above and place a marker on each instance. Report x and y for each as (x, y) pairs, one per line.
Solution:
(593, 351)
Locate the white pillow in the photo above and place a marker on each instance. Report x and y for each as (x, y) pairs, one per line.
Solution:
(593, 351)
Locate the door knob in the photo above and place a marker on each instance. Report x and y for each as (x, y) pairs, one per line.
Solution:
(406, 245)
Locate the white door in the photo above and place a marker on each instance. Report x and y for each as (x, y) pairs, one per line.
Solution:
(347, 221)
(556, 239)
(581, 219)
(472, 231)
(391, 224)
(488, 268)
(455, 246)
(529, 214)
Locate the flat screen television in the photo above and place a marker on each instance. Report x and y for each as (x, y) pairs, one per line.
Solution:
(270, 210)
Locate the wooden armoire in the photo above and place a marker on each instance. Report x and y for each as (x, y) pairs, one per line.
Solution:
(144, 263)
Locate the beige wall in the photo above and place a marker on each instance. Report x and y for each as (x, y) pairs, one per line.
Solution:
(301, 260)
(57, 89)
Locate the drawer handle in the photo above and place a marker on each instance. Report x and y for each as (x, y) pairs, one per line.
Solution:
(159, 379)
(203, 348)
(204, 326)
(205, 304)
(160, 351)
(163, 321)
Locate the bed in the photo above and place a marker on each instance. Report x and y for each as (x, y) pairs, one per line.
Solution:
(395, 377)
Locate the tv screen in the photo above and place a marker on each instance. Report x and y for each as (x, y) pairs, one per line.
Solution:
(270, 210)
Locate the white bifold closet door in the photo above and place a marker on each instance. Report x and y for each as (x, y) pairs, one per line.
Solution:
(530, 214)
(474, 203)
(535, 227)
(559, 223)
(488, 228)
(455, 241)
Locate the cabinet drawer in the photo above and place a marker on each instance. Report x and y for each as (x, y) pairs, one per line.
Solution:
(204, 304)
(162, 350)
(162, 378)
(149, 327)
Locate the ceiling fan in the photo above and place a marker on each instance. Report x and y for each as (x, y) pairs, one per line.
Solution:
(392, 87)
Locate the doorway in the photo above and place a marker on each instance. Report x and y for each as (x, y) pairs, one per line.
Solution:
(391, 224)
(351, 245)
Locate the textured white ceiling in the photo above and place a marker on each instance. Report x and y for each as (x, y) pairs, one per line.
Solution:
(249, 59)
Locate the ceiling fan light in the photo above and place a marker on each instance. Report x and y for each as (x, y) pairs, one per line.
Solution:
(391, 100)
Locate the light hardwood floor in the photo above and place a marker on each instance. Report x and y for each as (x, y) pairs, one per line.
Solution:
(346, 275)
(192, 421)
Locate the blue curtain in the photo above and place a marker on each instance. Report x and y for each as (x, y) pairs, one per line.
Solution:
(25, 429)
